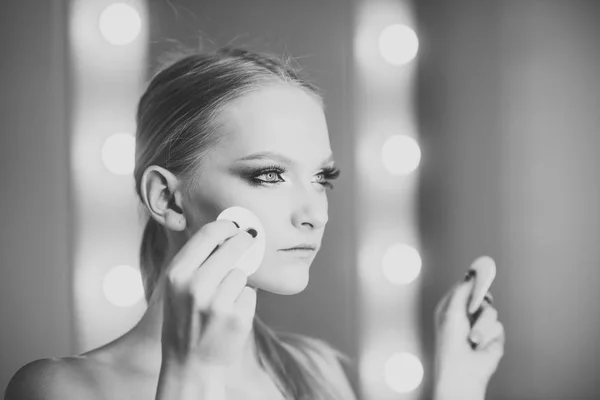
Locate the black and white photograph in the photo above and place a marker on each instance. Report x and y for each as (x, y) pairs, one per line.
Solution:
(300, 200)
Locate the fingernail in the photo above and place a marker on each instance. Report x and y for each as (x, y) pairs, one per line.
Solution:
(252, 232)
(470, 275)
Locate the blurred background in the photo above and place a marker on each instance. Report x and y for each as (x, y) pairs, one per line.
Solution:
(462, 128)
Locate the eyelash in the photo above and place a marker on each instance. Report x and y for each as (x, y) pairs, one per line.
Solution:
(329, 174)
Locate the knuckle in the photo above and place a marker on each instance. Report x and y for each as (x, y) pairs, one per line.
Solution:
(501, 329)
(236, 322)
(197, 299)
(492, 312)
(173, 279)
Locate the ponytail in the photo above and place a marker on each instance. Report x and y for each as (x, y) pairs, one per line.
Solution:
(152, 255)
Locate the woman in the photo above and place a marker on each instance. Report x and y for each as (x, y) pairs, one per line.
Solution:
(234, 128)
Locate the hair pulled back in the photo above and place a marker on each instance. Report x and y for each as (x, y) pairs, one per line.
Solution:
(178, 122)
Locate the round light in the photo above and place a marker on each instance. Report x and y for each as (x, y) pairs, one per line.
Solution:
(118, 153)
(120, 24)
(403, 372)
(400, 154)
(401, 264)
(398, 44)
(123, 286)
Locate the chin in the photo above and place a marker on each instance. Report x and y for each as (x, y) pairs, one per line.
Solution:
(283, 279)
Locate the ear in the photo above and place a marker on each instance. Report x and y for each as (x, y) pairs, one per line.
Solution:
(161, 195)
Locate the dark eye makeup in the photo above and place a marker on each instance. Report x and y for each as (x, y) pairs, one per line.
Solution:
(253, 175)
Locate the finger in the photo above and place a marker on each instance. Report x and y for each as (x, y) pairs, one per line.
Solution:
(456, 299)
(487, 301)
(228, 291)
(459, 297)
(483, 328)
(198, 248)
(485, 273)
(207, 279)
(246, 303)
(494, 337)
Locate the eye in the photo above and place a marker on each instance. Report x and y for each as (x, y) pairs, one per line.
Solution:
(267, 176)
(321, 177)
(271, 177)
(327, 175)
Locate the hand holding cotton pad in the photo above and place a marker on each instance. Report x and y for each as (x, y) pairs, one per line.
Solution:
(484, 270)
(252, 258)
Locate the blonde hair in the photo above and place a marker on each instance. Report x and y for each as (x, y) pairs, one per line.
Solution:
(177, 125)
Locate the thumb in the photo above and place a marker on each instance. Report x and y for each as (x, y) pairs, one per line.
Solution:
(460, 297)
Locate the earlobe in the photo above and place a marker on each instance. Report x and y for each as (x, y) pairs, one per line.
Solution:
(175, 221)
(175, 218)
(159, 189)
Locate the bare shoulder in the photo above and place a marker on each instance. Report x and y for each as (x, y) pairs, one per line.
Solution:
(52, 378)
(327, 360)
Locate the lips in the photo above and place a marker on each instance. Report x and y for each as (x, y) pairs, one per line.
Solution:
(302, 253)
(299, 250)
(303, 247)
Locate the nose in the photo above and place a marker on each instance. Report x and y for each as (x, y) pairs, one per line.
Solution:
(310, 209)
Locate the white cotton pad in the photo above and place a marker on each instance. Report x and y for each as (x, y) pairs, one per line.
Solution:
(252, 258)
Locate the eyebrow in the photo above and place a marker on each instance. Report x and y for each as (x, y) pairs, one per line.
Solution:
(279, 157)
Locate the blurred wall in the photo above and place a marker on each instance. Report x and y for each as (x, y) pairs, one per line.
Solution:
(510, 99)
(35, 288)
(320, 35)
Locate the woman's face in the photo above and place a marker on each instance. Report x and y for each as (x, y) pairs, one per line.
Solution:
(275, 160)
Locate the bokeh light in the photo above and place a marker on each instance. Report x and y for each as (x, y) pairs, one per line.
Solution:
(400, 154)
(118, 153)
(398, 44)
(120, 24)
(401, 264)
(403, 372)
(122, 286)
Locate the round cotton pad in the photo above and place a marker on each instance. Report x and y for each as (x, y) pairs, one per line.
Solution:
(251, 259)
(485, 273)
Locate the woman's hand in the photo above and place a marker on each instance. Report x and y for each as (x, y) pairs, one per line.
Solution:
(469, 337)
(208, 309)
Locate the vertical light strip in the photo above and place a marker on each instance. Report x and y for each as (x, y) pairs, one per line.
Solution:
(108, 51)
(387, 156)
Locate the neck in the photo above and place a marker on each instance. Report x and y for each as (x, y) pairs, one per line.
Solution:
(147, 335)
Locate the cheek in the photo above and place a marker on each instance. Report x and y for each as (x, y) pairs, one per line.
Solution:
(201, 210)
(273, 217)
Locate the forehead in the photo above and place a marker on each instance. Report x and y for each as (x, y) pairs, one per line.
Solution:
(279, 118)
